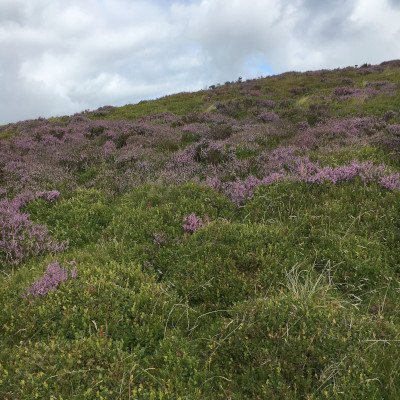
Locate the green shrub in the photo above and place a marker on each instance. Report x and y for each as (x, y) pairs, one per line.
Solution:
(79, 219)
(285, 346)
(351, 229)
(221, 263)
(152, 217)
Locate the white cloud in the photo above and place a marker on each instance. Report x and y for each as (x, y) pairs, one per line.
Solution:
(60, 57)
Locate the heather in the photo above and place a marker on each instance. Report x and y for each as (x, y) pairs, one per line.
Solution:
(50, 280)
(239, 242)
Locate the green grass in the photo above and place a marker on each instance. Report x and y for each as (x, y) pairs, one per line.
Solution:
(179, 104)
(7, 135)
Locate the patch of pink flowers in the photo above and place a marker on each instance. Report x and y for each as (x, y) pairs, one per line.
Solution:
(192, 223)
(20, 238)
(51, 280)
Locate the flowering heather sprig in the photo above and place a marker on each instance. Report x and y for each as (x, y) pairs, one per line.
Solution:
(302, 125)
(19, 236)
(303, 170)
(394, 129)
(348, 130)
(266, 103)
(213, 182)
(50, 196)
(391, 181)
(74, 273)
(108, 148)
(268, 116)
(382, 86)
(240, 191)
(193, 223)
(344, 91)
(201, 129)
(51, 280)
(349, 81)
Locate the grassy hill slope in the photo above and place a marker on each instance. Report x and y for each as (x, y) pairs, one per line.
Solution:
(241, 242)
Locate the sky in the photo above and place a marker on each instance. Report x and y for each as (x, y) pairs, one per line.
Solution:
(60, 57)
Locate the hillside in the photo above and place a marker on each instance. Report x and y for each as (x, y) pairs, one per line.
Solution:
(241, 242)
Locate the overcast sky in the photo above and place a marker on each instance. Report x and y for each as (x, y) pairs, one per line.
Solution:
(59, 57)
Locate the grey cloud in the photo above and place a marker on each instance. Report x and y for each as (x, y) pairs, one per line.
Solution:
(321, 7)
(395, 3)
(229, 33)
(11, 12)
(320, 22)
(60, 57)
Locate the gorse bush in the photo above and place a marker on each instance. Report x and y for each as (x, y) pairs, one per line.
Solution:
(240, 242)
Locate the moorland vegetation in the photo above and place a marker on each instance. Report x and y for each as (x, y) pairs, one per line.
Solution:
(240, 242)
